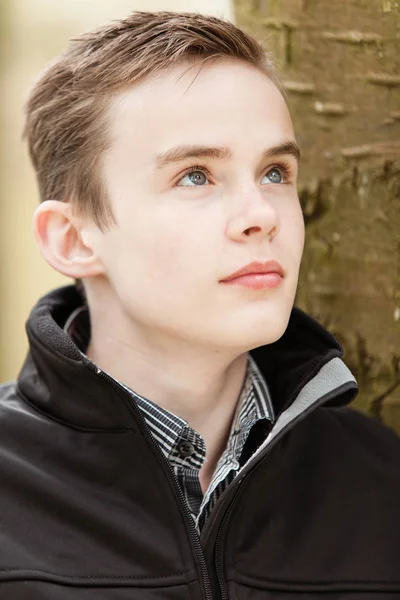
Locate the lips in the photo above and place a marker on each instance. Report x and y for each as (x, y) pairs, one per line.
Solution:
(257, 276)
(257, 268)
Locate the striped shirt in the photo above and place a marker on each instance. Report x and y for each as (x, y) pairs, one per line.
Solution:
(183, 447)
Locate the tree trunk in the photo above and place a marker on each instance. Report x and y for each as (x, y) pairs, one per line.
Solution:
(340, 65)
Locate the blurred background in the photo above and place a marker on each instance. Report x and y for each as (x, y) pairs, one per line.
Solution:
(340, 65)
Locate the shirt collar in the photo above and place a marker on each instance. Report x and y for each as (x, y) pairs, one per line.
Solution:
(167, 428)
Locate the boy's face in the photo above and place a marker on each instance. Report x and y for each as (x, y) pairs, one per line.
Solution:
(185, 223)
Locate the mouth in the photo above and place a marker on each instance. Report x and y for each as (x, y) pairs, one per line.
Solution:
(257, 276)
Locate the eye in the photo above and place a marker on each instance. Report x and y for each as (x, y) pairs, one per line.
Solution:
(274, 175)
(193, 177)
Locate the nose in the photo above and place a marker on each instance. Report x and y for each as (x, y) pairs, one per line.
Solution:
(256, 216)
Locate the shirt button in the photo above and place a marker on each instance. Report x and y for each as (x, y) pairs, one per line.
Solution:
(186, 449)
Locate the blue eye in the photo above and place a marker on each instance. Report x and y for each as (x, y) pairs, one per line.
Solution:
(273, 176)
(193, 178)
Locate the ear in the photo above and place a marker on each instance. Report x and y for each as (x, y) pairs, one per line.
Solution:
(58, 232)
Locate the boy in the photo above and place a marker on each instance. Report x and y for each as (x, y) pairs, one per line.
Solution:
(177, 430)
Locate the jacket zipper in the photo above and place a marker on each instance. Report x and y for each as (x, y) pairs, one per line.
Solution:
(218, 561)
(217, 553)
(223, 593)
(189, 519)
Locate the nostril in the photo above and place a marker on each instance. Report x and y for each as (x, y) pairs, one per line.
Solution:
(251, 230)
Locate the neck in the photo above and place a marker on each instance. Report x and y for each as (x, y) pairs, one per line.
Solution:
(201, 385)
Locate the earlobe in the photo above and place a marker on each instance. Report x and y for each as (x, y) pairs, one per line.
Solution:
(58, 233)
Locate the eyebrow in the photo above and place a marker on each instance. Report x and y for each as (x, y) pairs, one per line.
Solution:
(180, 153)
(289, 148)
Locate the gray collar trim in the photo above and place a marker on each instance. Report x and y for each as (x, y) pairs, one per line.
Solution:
(332, 376)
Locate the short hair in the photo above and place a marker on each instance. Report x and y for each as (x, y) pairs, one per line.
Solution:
(65, 126)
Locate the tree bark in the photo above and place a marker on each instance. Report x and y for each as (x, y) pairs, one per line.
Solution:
(340, 66)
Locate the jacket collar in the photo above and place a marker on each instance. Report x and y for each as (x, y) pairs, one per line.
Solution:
(61, 382)
(297, 358)
(58, 380)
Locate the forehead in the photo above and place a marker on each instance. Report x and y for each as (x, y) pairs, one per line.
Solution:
(192, 103)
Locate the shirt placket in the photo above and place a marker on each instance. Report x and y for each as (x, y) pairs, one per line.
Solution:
(187, 457)
(228, 463)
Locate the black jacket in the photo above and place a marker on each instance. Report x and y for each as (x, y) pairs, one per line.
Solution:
(90, 510)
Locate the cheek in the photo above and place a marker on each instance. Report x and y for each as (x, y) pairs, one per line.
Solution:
(162, 248)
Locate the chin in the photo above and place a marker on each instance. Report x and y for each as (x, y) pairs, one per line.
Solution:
(266, 326)
(256, 333)
(271, 335)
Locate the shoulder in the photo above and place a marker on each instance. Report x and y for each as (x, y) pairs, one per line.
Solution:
(354, 459)
(15, 415)
(7, 391)
(364, 429)
(13, 411)
(348, 443)
(359, 442)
